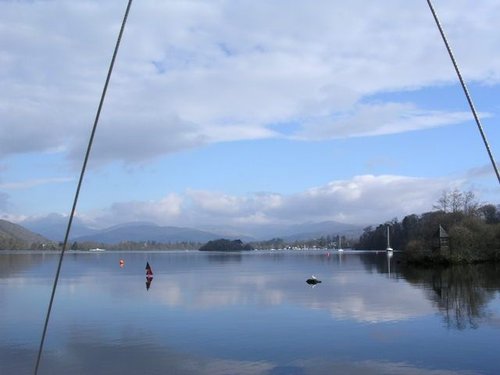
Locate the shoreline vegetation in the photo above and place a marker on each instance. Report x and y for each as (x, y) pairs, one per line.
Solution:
(458, 231)
(226, 245)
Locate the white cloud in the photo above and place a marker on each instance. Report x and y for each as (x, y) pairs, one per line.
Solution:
(167, 209)
(361, 200)
(379, 119)
(32, 183)
(217, 204)
(134, 139)
(193, 73)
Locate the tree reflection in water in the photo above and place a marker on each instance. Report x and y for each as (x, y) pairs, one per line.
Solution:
(461, 293)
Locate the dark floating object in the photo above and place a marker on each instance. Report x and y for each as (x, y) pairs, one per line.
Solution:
(149, 271)
(149, 276)
(313, 280)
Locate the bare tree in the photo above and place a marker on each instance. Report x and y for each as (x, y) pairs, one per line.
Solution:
(457, 201)
(471, 205)
(443, 203)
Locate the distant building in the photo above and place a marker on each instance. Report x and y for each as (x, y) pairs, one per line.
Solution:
(441, 241)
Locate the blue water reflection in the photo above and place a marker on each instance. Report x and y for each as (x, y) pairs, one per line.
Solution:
(247, 313)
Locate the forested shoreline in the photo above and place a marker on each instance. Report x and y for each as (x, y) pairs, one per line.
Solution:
(472, 232)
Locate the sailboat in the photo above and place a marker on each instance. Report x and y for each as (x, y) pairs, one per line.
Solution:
(340, 244)
(389, 248)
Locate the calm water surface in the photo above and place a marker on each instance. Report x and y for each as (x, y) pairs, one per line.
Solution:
(249, 313)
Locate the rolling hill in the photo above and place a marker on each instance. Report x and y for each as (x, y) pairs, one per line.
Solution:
(53, 226)
(10, 232)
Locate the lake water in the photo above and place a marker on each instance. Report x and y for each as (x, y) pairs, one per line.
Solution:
(248, 313)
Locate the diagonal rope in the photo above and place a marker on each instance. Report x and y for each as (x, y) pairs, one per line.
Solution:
(77, 193)
(466, 92)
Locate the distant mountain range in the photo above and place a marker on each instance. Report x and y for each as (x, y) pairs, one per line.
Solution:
(54, 227)
(17, 233)
(148, 232)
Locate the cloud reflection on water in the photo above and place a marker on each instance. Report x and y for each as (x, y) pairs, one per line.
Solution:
(248, 315)
(353, 298)
(132, 357)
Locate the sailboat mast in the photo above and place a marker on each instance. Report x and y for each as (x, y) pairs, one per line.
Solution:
(389, 248)
(388, 241)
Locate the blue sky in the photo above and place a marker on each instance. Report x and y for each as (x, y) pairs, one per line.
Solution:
(245, 113)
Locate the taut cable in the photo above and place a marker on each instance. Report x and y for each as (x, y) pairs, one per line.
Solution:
(77, 193)
(466, 92)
